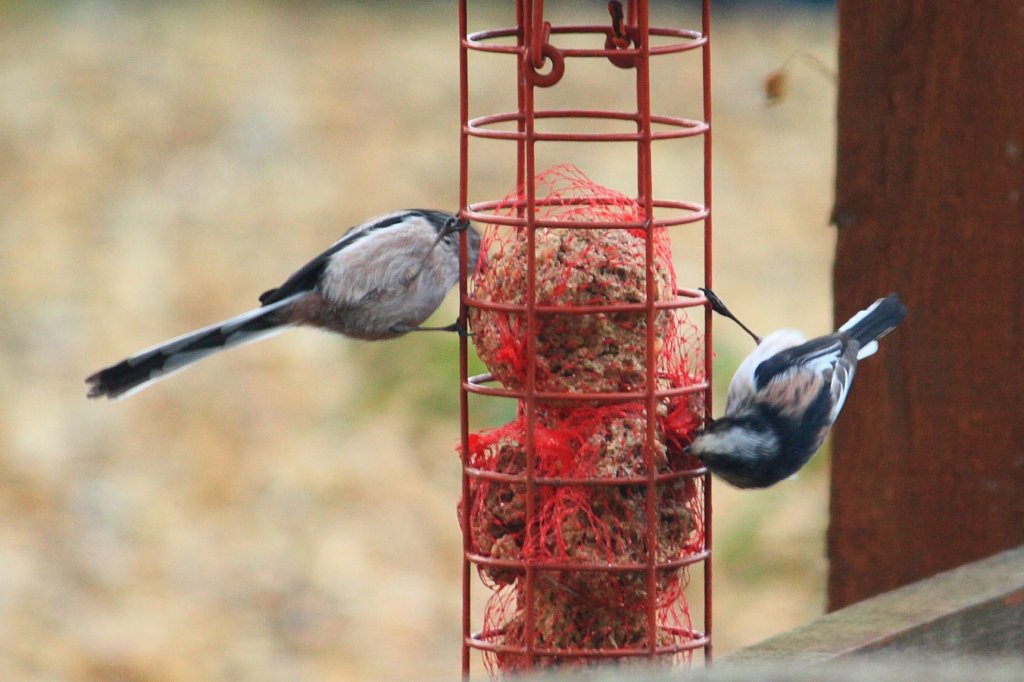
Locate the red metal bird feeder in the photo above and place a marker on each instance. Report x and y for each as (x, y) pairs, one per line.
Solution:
(584, 515)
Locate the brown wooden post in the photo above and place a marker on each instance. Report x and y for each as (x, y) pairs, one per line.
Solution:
(928, 456)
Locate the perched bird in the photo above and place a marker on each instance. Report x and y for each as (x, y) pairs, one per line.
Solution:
(786, 395)
(382, 279)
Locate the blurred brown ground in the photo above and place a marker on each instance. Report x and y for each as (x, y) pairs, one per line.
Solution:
(287, 511)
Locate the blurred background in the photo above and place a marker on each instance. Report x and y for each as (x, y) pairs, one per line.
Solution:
(287, 510)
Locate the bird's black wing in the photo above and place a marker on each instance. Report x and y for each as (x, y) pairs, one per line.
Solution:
(306, 277)
(824, 350)
(842, 377)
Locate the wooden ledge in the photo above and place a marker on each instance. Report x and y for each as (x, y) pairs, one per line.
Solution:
(976, 609)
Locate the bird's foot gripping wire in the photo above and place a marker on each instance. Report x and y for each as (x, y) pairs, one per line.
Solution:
(455, 326)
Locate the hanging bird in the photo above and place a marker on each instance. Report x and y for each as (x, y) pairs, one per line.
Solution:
(786, 395)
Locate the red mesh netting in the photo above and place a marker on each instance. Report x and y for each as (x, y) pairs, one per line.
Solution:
(575, 267)
(599, 518)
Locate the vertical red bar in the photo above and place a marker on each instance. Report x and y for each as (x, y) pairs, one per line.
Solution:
(645, 186)
(463, 341)
(708, 335)
(529, 170)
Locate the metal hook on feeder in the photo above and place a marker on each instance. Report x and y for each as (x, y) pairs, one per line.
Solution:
(620, 36)
(540, 33)
(540, 51)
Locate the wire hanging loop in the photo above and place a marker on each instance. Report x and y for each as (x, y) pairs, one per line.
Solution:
(620, 36)
(540, 50)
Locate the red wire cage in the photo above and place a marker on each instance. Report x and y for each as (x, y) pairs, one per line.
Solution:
(541, 54)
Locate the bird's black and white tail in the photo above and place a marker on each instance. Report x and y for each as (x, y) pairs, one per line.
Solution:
(145, 367)
(874, 322)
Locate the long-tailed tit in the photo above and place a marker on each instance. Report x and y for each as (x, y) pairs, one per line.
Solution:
(382, 279)
(786, 395)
